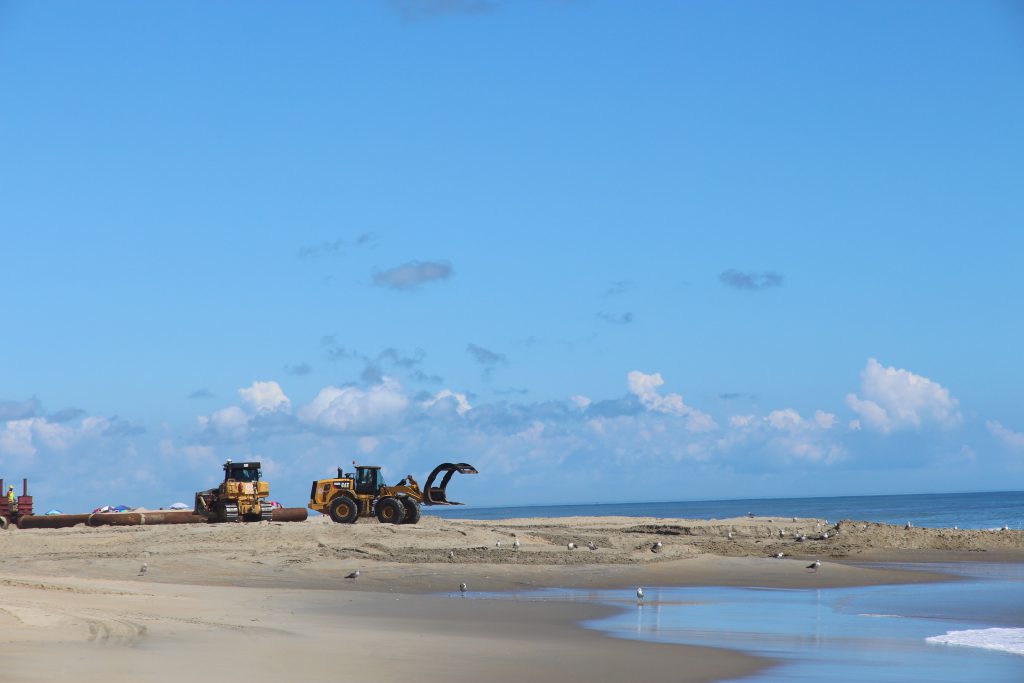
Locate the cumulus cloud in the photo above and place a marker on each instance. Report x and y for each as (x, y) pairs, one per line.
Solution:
(750, 280)
(645, 388)
(412, 274)
(24, 438)
(1005, 435)
(786, 434)
(457, 400)
(895, 399)
(201, 393)
(265, 397)
(352, 409)
(230, 423)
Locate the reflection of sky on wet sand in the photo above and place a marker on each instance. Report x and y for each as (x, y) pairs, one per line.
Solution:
(875, 633)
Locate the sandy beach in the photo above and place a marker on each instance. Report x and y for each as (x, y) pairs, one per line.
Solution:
(271, 598)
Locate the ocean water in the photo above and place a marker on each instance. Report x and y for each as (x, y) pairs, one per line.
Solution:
(990, 510)
(958, 632)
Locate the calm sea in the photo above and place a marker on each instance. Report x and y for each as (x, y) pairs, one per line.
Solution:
(967, 510)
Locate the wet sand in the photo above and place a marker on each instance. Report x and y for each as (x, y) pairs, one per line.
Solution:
(271, 599)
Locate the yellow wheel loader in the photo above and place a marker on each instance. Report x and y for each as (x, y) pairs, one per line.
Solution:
(242, 496)
(363, 493)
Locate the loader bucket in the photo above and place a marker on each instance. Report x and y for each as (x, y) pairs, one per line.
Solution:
(436, 495)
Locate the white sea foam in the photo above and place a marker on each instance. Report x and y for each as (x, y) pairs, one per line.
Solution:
(1002, 639)
(880, 616)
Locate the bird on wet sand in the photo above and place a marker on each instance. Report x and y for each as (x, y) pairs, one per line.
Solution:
(143, 569)
(463, 588)
(451, 554)
(639, 594)
(813, 566)
(516, 544)
(656, 548)
(498, 544)
(590, 544)
(779, 556)
(729, 535)
(571, 546)
(908, 526)
(353, 575)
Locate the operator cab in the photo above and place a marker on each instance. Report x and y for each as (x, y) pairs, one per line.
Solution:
(368, 480)
(242, 471)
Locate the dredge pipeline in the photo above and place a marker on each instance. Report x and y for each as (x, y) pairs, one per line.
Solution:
(139, 518)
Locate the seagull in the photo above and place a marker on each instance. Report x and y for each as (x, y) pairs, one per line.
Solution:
(451, 554)
(908, 526)
(779, 556)
(1006, 527)
(639, 594)
(498, 544)
(956, 528)
(782, 532)
(801, 538)
(729, 535)
(656, 548)
(516, 544)
(750, 514)
(814, 565)
(463, 588)
(571, 546)
(590, 544)
(143, 569)
(353, 575)
(824, 536)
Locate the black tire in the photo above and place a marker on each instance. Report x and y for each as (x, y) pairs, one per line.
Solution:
(343, 510)
(412, 511)
(390, 511)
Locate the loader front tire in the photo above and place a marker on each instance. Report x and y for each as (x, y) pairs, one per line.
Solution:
(412, 511)
(390, 510)
(344, 510)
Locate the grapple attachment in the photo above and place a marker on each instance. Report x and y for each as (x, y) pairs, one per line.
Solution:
(436, 495)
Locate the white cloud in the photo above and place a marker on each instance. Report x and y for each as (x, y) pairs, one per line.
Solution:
(741, 421)
(23, 438)
(16, 438)
(786, 420)
(231, 422)
(824, 420)
(265, 397)
(1005, 435)
(898, 399)
(345, 409)
(581, 402)
(645, 388)
(460, 401)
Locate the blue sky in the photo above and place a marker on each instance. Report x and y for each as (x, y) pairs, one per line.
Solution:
(604, 251)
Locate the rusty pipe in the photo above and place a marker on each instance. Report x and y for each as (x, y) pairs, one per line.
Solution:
(290, 514)
(51, 521)
(137, 518)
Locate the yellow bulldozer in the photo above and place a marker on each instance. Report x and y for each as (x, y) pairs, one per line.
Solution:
(241, 496)
(363, 493)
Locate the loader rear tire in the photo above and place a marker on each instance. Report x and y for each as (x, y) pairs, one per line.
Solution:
(343, 510)
(412, 511)
(390, 511)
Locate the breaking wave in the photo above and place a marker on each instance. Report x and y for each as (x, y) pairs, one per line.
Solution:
(1002, 639)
